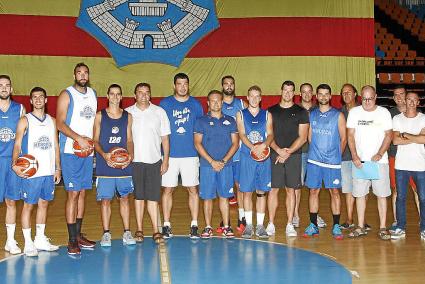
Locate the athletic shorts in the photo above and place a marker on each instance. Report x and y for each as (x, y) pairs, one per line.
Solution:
(147, 181)
(392, 175)
(380, 187)
(108, 187)
(347, 176)
(331, 178)
(10, 183)
(214, 183)
(37, 188)
(287, 174)
(236, 168)
(187, 168)
(254, 175)
(77, 172)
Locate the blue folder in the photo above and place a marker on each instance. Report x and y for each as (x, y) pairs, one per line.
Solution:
(369, 170)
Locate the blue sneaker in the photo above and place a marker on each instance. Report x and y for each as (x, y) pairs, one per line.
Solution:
(311, 231)
(336, 232)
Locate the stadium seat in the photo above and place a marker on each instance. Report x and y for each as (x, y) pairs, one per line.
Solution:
(419, 78)
(407, 78)
(383, 78)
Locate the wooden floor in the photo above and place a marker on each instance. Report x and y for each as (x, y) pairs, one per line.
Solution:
(373, 260)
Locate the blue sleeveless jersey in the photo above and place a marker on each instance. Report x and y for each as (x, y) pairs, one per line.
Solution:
(255, 127)
(113, 133)
(8, 123)
(325, 146)
(232, 109)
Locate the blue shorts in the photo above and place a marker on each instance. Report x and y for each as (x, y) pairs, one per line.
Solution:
(316, 174)
(10, 183)
(254, 175)
(213, 183)
(108, 187)
(35, 188)
(236, 167)
(77, 172)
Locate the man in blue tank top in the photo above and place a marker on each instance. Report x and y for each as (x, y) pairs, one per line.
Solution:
(256, 133)
(112, 128)
(10, 112)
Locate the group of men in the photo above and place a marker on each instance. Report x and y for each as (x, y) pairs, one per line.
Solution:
(213, 151)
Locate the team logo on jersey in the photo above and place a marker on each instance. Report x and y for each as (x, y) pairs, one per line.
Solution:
(87, 112)
(211, 123)
(255, 137)
(148, 30)
(43, 143)
(6, 134)
(115, 130)
(226, 122)
(181, 130)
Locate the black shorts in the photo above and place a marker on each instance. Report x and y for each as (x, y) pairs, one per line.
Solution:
(287, 174)
(147, 181)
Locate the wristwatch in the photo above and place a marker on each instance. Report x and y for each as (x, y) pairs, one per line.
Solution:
(223, 161)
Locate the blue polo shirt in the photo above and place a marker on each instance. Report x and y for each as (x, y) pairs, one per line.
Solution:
(216, 136)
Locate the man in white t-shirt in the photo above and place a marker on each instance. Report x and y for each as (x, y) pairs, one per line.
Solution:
(369, 136)
(409, 135)
(150, 130)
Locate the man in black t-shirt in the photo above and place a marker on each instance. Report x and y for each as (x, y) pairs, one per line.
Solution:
(291, 130)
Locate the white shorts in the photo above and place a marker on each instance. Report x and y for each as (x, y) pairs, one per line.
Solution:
(188, 168)
(380, 187)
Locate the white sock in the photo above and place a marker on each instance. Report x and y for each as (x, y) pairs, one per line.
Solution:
(248, 217)
(260, 218)
(10, 229)
(167, 224)
(39, 230)
(27, 235)
(241, 213)
(194, 223)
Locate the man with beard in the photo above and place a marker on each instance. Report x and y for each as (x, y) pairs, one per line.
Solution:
(10, 112)
(327, 137)
(76, 110)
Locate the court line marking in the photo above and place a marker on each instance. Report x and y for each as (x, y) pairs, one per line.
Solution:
(164, 266)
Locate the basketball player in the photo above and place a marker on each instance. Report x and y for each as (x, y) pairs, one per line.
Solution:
(76, 110)
(36, 135)
(10, 113)
(254, 127)
(112, 128)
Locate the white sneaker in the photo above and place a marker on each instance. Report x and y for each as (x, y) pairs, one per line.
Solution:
(320, 222)
(290, 231)
(398, 234)
(423, 235)
(12, 247)
(43, 243)
(296, 221)
(271, 230)
(106, 240)
(30, 249)
(127, 238)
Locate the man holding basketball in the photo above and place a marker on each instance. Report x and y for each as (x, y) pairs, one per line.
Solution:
(36, 135)
(112, 128)
(76, 110)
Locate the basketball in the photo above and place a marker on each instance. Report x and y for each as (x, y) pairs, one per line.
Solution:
(30, 163)
(82, 153)
(119, 156)
(266, 153)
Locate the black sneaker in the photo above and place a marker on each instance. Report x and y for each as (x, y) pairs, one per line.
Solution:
(367, 227)
(194, 232)
(166, 232)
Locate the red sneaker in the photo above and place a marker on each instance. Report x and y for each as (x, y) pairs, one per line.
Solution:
(73, 248)
(241, 225)
(233, 200)
(85, 243)
(220, 228)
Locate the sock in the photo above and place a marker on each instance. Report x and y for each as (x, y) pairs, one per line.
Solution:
(39, 230)
(336, 219)
(241, 213)
(248, 217)
(313, 218)
(167, 224)
(194, 223)
(27, 235)
(72, 232)
(260, 218)
(79, 225)
(10, 229)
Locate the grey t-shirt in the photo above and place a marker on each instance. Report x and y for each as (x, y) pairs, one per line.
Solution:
(392, 151)
(346, 155)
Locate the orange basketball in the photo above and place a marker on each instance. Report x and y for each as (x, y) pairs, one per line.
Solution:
(29, 162)
(119, 156)
(266, 153)
(82, 153)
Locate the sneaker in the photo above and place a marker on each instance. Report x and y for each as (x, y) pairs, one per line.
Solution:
(423, 235)
(346, 226)
(393, 228)
(260, 232)
(367, 227)
(320, 222)
(84, 242)
(127, 239)
(207, 233)
(194, 232)
(30, 249)
(398, 234)
(166, 232)
(296, 221)
(336, 232)
(43, 243)
(12, 247)
(228, 233)
(220, 228)
(311, 231)
(271, 229)
(290, 230)
(248, 232)
(106, 240)
(233, 200)
(73, 248)
(241, 225)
